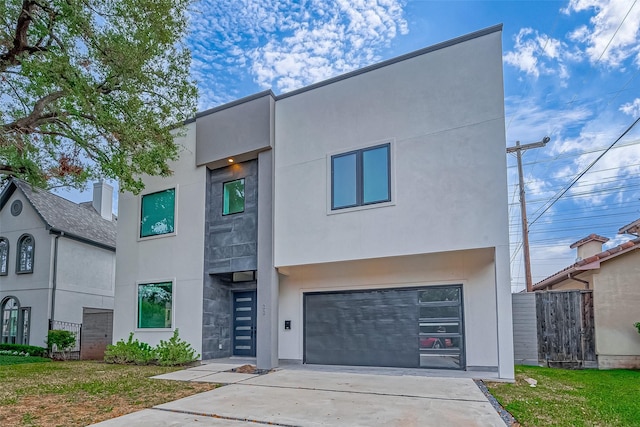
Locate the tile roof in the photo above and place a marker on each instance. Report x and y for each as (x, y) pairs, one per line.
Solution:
(590, 238)
(589, 263)
(632, 228)
(77, 220)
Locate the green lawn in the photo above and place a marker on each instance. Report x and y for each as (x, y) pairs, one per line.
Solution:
(78, 393)
(18, 360)
(572, 398)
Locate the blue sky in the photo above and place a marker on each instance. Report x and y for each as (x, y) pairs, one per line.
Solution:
(571, 71)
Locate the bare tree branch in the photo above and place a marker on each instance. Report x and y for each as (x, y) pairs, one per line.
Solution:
(36, 117)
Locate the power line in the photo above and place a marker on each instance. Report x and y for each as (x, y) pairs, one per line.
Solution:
(586, 170)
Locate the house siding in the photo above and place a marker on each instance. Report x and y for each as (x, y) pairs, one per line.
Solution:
(445, 122)
(616, 298)
(178, 258)
(31, 289)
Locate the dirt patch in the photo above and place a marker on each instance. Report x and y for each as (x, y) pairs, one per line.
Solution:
(250, 369)
(245, 369)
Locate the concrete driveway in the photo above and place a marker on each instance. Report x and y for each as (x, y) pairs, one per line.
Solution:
(313, 398)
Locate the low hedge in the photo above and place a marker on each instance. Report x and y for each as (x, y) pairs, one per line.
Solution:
(20, 348)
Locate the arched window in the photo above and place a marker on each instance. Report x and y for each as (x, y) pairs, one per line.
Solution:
(4, 256)
(24, 262)
(10, 310)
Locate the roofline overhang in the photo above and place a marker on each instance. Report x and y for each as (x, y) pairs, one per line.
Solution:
(566, 274)
(268, 92)
(72, 236)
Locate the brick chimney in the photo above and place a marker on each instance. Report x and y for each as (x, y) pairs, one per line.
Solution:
(103, 199)
(589, 246)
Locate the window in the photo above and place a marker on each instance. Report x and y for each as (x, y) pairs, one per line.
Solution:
(361, 177)
(26, 321)
(158, 213)
(10, 309)
(233, 197)
(24, 262)
(4, 256)
(154, 305)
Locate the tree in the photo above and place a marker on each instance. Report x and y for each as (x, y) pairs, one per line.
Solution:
(92, 89)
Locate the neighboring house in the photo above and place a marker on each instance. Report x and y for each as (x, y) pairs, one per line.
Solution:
(612, 275)
(56, 259)
(357, 221)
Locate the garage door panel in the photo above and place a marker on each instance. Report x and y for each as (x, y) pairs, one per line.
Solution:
(372, 328)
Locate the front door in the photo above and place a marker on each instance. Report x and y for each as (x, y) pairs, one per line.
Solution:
(244, 324)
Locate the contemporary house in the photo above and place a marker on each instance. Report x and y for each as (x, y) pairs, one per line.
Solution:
(612, 276)
(57, 260)
(357, 221)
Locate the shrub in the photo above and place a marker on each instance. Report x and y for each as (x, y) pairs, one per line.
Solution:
(130, 352)
(27, 349)
(61, 341)
(637, 325)
(175, 351)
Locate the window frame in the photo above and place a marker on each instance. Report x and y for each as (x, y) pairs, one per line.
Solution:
(175, 214)
(360, 204)
(172, 281)
(6, 261)
(17, 309)
(244, 197)
(19, 251)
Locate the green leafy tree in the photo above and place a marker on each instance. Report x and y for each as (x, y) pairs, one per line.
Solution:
(92, 88)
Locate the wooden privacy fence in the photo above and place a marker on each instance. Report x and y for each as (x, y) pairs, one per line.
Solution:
(566, 336)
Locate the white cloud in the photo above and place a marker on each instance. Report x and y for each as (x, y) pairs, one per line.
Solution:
(538, 54)
(618, 239)
(613, 33)
(631, 108)
(286, 45)
(345, 36)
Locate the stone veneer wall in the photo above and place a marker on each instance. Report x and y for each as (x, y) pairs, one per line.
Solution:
(230, 245)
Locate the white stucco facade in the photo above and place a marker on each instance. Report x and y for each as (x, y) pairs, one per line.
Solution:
(175, 257)
(444, 122)
(445, 222)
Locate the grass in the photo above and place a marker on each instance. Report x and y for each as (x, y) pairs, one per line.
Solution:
(18, 360)
(77, 393)
(572, 398)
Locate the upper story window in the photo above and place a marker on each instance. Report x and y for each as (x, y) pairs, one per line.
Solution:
(233, 197)
(25, 251)
(157, 215)
(4, 256)
(361, 177)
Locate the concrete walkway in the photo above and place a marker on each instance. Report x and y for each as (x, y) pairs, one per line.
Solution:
(316, 398)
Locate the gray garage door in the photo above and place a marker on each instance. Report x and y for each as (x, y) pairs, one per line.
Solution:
(385, 327)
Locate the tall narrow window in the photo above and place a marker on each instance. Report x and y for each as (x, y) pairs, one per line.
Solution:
(26, 322)
(10, 309)
(155, 305)
(24, 263)
(233, 197)
(157, 215)
(4, 256)
(361, 177)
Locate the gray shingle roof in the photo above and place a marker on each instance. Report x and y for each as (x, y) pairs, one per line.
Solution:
(78, 220)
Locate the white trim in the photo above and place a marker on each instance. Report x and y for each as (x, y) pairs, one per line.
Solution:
(175, 214)
(173, 304)
(392, 176)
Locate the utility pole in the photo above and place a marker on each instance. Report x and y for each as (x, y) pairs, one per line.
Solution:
(519, 150)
